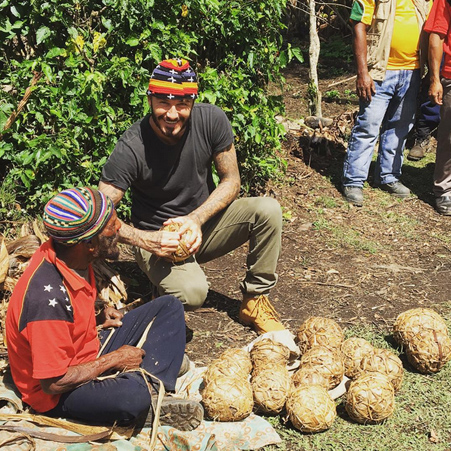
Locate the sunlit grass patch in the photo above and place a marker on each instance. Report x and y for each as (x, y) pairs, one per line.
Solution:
(336, 235)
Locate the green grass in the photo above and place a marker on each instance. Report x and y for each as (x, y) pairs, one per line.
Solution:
(422, 412)
(343, 235)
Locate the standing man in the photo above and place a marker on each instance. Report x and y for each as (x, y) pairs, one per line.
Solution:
(439, 27)
(386, 47)
(54, 352)
(166, 159)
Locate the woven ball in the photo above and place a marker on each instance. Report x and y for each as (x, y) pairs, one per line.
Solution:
(428, 351)
(271, 387)
(385, 362)
(354, 349)
(411, 322)
(327, 362)
(228, 399)
(182, 252)
(320, 331)
(310, 408)
(233, 362)
(370, 398)
(310, 376)
(267, 351)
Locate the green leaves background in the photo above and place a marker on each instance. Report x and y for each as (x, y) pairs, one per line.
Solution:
(96, 57)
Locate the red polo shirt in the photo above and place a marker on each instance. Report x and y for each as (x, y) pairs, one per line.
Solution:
(439, 21)
(50, 325)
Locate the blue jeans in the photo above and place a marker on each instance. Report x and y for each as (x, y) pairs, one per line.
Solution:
(390, 116)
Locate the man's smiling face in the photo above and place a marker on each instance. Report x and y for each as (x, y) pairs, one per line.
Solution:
(170, 117)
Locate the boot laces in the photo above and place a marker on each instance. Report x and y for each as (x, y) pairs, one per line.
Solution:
(264, 310)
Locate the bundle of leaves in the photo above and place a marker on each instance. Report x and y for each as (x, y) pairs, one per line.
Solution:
(354, 349)
(310, 408)
(370, 398)
(320, 331)
(271, 386)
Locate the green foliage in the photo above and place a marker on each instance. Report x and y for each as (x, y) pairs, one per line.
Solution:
(335, 48)
(96, 57)
(333, 94)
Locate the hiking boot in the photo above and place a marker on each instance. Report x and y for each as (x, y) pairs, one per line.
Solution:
(259, 313)
(418, 151)
(443, 205)
(182, 414)
(396, 189)
(184, 368)
(354, 195)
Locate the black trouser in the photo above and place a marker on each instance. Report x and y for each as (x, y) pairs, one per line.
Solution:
(428, 116)
(123, 398)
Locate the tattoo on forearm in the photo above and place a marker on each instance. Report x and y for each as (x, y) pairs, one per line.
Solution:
(228, 188)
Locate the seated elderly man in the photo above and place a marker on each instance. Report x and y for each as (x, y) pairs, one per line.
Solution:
(55, 354)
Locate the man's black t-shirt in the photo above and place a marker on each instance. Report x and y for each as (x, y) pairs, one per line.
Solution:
(168, 181)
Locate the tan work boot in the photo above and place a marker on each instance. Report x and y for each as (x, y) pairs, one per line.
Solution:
(258, 312)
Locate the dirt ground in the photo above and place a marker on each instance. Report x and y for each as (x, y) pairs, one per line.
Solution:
(357, 266)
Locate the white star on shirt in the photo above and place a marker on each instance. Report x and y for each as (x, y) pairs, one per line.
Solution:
(53, 302)
(62, 289)
(48, 288)
(68, 308)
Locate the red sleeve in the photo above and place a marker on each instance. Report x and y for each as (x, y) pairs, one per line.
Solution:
(439, 18)
(51, 347)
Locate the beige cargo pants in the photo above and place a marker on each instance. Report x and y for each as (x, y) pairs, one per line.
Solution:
(254, 219)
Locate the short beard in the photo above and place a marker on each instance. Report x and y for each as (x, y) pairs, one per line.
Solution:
(168, 134)
(107, 248)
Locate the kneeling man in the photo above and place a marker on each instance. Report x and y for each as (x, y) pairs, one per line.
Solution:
(55, 354)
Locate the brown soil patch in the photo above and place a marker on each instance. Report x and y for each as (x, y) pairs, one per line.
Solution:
(357, 266)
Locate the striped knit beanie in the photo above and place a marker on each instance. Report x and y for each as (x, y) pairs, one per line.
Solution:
(173, 79)
(77, 214)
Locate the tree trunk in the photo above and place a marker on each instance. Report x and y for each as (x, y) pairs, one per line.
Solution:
(314, 92)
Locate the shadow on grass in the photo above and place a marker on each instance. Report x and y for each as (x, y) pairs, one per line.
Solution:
(327, 160)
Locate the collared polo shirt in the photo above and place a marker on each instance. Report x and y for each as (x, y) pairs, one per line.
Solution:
(439, 21)
(50, 325)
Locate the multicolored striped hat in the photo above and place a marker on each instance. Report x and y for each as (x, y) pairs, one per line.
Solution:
(173, 79)
(77, 214)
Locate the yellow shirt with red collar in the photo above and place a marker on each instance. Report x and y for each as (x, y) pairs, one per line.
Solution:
(404, 49)
(50, 325)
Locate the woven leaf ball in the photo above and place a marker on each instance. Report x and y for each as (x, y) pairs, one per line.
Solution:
(428, 351)
(411, 322)
(228, 399)
(327, 362)
(271, 387)
(182, 251)
(310, 376)
(310, 408)
(354, 349)
(317, 330)
(267, 351)
(385, 362)
(370, 398)
(232, 363)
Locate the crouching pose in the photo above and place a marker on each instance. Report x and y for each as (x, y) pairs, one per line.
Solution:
(55, 353)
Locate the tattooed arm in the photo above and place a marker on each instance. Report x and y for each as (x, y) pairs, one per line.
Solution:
(159, 243)
(225, 193)
(164, 244)
(228, 188)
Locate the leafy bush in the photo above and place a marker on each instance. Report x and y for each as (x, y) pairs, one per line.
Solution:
(96, 57)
